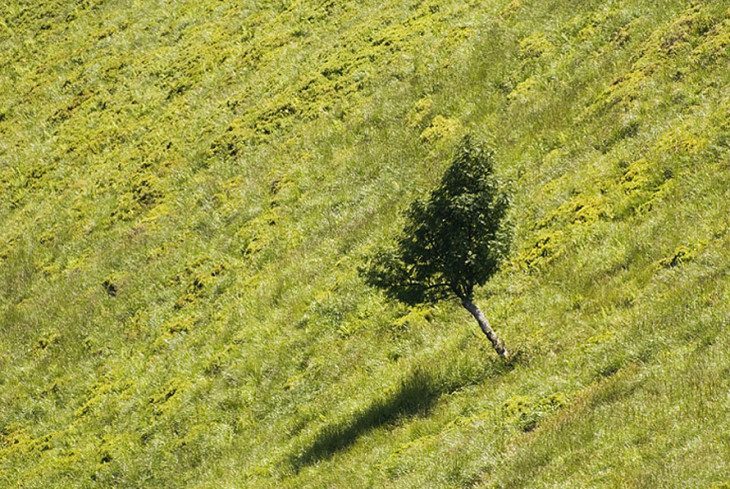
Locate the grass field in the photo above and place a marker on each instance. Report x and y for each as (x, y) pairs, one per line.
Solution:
(187, 190)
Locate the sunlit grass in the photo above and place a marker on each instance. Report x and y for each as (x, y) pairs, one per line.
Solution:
(187, 190)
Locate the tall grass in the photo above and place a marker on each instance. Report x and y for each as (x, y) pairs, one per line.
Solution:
(225, 167)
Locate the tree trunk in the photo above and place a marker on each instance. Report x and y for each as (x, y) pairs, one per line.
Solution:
(486, 328)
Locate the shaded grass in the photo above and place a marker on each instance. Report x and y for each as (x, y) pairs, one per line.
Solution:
(415, 396)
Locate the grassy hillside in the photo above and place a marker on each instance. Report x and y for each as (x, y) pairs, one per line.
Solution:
(188, 188)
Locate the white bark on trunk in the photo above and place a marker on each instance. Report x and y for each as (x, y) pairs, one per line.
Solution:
(486, 328)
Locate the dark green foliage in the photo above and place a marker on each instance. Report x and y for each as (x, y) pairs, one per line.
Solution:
(452, 242)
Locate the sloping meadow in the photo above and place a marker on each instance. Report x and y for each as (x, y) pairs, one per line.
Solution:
(187, 191)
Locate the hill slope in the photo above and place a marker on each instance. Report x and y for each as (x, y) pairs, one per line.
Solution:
(188, 190)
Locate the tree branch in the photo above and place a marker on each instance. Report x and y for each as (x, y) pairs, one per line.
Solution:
(435, 286)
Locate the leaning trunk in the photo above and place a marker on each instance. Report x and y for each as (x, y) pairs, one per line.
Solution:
(486, 328)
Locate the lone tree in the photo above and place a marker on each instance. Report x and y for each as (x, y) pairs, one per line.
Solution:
(452, 242)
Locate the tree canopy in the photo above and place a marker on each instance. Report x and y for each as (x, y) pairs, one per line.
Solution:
(454, 240)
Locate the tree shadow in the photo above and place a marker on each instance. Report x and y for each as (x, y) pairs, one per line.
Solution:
(415, 395)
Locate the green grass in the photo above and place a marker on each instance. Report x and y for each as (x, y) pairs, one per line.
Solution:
(187, 190)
